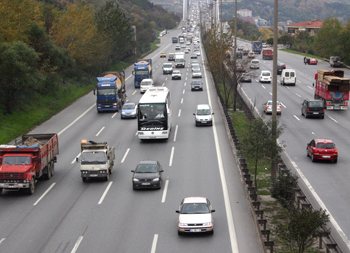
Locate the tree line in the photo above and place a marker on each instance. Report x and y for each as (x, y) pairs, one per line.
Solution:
(46, 44)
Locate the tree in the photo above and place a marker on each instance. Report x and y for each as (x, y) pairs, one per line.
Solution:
(19, 75)
(302, 228)
(284, 189)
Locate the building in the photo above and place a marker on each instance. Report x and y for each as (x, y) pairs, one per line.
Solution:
(244, 13)
(312, 27)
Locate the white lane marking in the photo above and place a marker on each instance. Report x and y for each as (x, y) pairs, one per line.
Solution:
(179, 113)
(136, 133)
(134, 92)
(297, 95)
(263, 87)
(171, 156)
(77, 244)
(166, 78)
(310, 87)
(75, 159)
(115, 113)
(186, 78)
(46, 192)
(270, 93)
(296, 117)
(81, 115)
(185, 84)
(283, 105)
(128, 77)
(154, 243)
(182, 100)
(100, 131)
(165, 190)
(177, 126)
(163, 84)
(127, 101)
(320, 202)
(183, 92)
(298, 81)
(126, 153)
(3, 239)
(332, 119)
(105, 193)
(187, 73)
(230, 223)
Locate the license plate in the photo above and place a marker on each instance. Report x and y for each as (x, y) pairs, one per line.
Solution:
(10, 186)
(145, 183)
(93, 175)
(326, 156)
(195, 230)
(315, 112)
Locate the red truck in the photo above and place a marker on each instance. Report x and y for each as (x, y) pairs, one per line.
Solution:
(332, 88)
(27, 159)
(267, 54)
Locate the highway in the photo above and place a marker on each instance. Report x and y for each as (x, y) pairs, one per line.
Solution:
(326, 184)
(67, 215)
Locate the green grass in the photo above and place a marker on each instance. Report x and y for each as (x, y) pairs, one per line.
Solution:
(303, 54)
(154, 44)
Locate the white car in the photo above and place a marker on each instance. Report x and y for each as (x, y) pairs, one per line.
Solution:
(176, 75)
(267, 106)
(265, 76)
(255, 64)
(196, 73)
(195, 66)
(203, 115)
(195, 216)
(146, 84)
(198, 52)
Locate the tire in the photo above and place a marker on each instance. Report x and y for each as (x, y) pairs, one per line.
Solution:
(322, 117)
(49, 172)
(335, 161)
(307, 153)
(31, 189)
(302, 114)
(313, 159)
(52, 169)
(211, 232)
(179, 232)
(107, 177)
(84, 179)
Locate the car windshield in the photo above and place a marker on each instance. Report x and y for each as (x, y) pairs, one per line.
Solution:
(325, 145)
(265, 73)
(93, 157)
(194, 208)
(196, 71)
(176, 72)
(16, 160)
(167, 65)
(146, 168)
(196, 82)
(203, 112)
(146, 83)
(128, 106)
(255, 62)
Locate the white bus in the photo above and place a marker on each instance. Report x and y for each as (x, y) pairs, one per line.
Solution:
(154, 114)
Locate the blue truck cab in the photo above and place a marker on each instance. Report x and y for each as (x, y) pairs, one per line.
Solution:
(107, 94)
(142, 70)
(257, 47)
(174, 39)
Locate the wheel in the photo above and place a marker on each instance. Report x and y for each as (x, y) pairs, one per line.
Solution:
(313, 159)
(84, 179)
(107, 177)
(322, 117)
(307, 153)
(335, 161)
(179, 233)
(52, 169)
(31, 189)
(211, 232)
(49, 172)
(302, 114)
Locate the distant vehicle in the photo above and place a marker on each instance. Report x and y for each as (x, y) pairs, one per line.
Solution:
(148, 174)
(180, 61)
(167, 68)
(240, 48)
(162, 55)
(334, 61)
(251, 55)
(267, 54)
(310, 61)
(171, 57)
(196, 85)
(322, 149)
(177, 47)
(195, 216)
(288, 77)
(195, 66)
(267, 106)
(239, 55)
(188, 42)
(280, 68)
(203, 115)
(146, 84)
(265, 76)
(245, 51)
(246, 78)
(312, 108)
(176, 75)
(264, 45)
(241, 68)
(187, 50)
(142, 70)
(193, 56)
(196, 73)
(257, 47)
(198, 52)
(174, 40)
(255, 64)
(129, 110)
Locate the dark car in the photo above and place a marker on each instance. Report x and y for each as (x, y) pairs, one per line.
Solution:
(280, 68)
(312, 108)
(239, 55)
(246, 78)
(245, 52)
(241, 68)
(196, 85)
(129, 111)
(148, 174)
(322, 149)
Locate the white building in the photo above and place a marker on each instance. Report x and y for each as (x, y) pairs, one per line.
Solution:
(244, 13)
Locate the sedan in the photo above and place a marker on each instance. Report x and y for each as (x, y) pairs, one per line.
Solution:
(251, 55)
(129, 111)
(313, 61)
(268, 107)
(176, 75)
(245, 52)
(195, 216)
(148, 174)
(196, 85)
(265, 76)
(246, 78)
(193, 56)
(241, 68)
(198, 52)
(240, 48)
(196, 73)
(322, 149)
(280, 68)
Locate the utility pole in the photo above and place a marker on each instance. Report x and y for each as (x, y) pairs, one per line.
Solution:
(221, 17)
(234, 61)
(274, 90)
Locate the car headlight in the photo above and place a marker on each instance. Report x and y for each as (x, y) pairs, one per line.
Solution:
(182, 224)
(133, 113)
(156, 179)
(207, 224)
(123, 112)
(135, 180)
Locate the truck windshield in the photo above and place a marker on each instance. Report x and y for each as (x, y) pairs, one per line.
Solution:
(93, 157)
(141, 72)
(106, 92)
(16, 160)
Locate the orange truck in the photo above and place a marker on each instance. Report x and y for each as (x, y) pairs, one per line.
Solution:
(25, 160)
(267, 53)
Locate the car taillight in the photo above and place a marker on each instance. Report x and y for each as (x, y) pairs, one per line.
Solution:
(346, 103)
(308, 109)
(323, 110)
(328, 103)
(336, 151)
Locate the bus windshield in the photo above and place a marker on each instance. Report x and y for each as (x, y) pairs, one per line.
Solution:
(152, 111)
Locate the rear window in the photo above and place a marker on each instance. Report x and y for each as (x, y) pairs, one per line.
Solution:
(323, 145)
(315, 104)
(287, 74)
(292, 74)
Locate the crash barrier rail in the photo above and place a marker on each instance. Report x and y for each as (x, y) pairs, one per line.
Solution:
(301, 201)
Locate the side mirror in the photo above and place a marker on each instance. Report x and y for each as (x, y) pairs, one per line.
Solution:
(108, 157)
(77, 159)
(133, 171)
(161, 171)
(177, 211)
(94, 92)
(212, 113)
(194, 114)
(213, 211)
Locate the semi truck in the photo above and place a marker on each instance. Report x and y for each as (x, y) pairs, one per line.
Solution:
(333, 88)
(257, 47)
(110, 91)
(97, 160)
(142, 70)
(25, 160)
(267, 54)
(180, 60)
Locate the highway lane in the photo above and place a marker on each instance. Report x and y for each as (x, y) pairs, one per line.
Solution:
(109, 216)
(327, 182)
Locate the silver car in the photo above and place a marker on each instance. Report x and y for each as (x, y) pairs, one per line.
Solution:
(195, 216)
(196, 73)
(267, 106)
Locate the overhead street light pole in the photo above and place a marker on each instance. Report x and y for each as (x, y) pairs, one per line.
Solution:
(234, 61)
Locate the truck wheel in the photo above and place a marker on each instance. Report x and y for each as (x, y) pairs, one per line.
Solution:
(31, 189)
(52, 169)
(107, 177)
(49, 172)
(84, 179)
(313, 159)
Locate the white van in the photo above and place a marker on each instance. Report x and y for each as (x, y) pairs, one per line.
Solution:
(203, 115)
(288, 77)
(255, 64)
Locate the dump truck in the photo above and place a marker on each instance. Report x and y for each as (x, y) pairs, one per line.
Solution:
(334, 61)
(257, 47)
(267, 54)
(25, 160)
(333, 88)
(96, 161)
(142, 70)
(110, 91)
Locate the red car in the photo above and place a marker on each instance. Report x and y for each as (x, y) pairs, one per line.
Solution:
(313, 61)
(322, 149)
